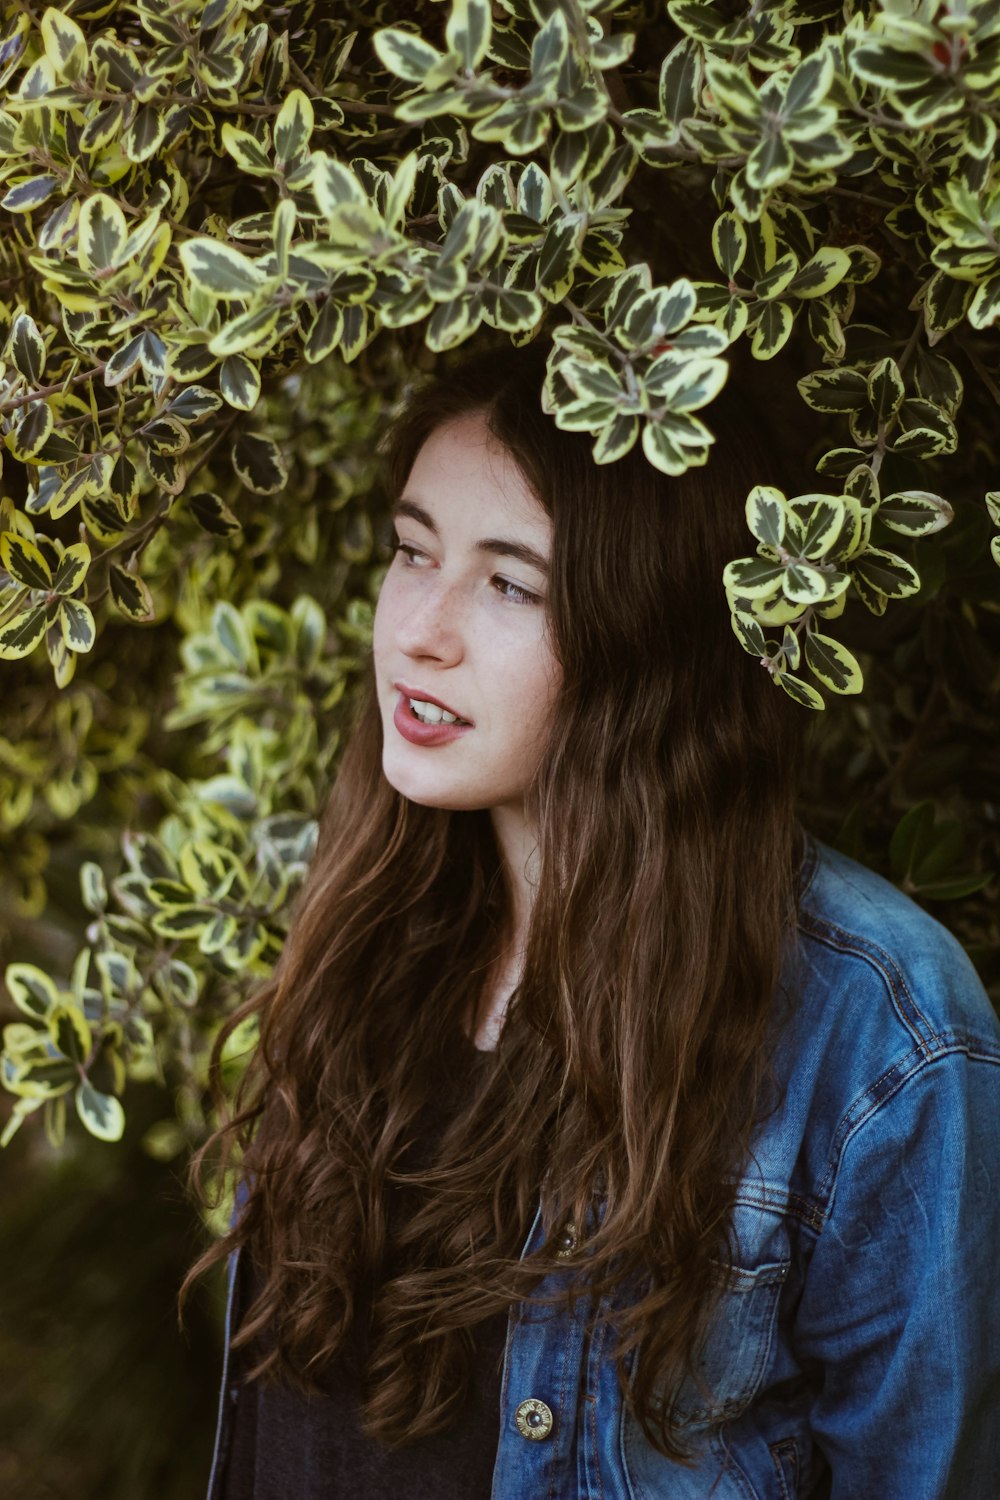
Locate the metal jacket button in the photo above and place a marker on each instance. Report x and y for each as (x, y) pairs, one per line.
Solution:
(534, 1419)
(566, 1241)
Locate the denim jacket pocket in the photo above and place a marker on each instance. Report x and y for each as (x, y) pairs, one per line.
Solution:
(736, 1348)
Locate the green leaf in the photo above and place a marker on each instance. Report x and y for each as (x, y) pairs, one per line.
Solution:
(40, 1080)
(616, 439)
(753, 577)
(327, 328)
(143, 139)
(186, 921)
(732, 89)
(125, 361)
(468, 31)
(70, 1032)
(32, 991)
(912, 838)
(886, 573)
(655, 315)
(218, 934)
(258, 463)
(550, 49)
(984, 309)
(27, 348)
(680, 82)
(625, 291)
(803, 584)
(809, 84)
(765, 510)
(691, 385)
(511, 310)
(131, 594)
(772, 331)
(123, 485)
(401, 190)
(915, 512)
(32, 431)
(769, 164)
(204, 866)
(234, 636)
(23, 633)
(843, 389)
(823, 524)
(293, 127)
(663, 451)
(212, 513)
(72, 569)
(409, 56)
(729, 243)
(102, 233)
(791, 647)
(450, 323)
(946, 302)
(778, 276)
(28, 194)
(22, 1108)
(800, 691)
(76, 623)
(239, 382)
(748, 632)
(220, 270)
(22, 1041)
(833, 664)
(93, 889)
(885, 390)
(194, 404)
(183, 983)
(607, 182)
(952, 890)
(557, 259)
(821, 273)
(891, 68)
(102, 1114)
(24, 561)
(250, 330)
(247, 152)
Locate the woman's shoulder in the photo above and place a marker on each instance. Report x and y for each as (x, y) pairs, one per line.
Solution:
(886, 1035)
(891, 966)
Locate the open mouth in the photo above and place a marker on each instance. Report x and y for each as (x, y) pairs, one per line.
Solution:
(432, 713)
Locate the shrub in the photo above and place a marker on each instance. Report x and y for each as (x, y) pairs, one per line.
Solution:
(233, 233)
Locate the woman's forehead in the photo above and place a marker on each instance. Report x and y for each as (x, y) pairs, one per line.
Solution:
(462, 470)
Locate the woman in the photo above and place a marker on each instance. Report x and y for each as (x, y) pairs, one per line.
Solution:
(608, 1136)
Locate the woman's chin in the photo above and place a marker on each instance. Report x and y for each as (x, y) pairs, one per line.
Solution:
(428, 791)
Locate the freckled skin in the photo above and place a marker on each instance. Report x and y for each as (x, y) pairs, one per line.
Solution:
(448, 621)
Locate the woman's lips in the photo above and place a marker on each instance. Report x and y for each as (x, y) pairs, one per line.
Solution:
(417, 733)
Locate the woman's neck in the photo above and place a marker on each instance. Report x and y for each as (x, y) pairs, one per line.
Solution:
(518, 848)
(517, 843)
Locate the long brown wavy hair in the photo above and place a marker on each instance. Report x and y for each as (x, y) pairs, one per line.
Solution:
(633, 1062)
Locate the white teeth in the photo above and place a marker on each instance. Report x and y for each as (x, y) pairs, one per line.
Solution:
(430, 713)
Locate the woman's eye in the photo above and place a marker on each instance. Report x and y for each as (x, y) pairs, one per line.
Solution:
(507, 590)
(516, 594)
(409, 552)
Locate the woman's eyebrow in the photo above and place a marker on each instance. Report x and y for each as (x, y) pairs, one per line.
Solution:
(497, 546)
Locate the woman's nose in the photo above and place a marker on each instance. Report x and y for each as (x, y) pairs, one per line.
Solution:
(432, 624)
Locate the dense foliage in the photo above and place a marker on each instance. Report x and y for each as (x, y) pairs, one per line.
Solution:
(232, 233)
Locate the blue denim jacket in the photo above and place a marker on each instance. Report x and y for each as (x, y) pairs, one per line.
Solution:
(855, 1354)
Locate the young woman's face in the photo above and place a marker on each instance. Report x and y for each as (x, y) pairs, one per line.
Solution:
(461, 622)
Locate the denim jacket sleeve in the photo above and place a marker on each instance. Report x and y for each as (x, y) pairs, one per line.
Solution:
(900, 1309)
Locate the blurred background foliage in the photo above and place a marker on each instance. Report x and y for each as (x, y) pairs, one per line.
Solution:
(233, 235)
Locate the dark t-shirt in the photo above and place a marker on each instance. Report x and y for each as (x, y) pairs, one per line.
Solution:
(287, 1446)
